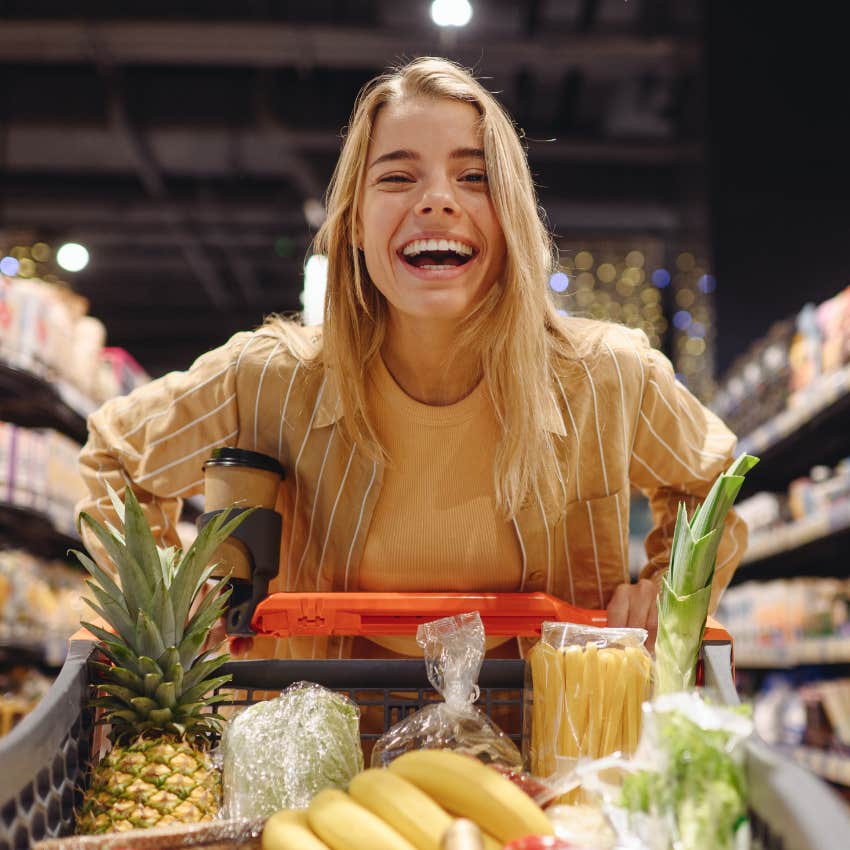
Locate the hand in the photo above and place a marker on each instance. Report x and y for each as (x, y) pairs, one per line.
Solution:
(237, 646)
(633, 606)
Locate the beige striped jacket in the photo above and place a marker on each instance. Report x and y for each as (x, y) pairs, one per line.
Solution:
(619, 419)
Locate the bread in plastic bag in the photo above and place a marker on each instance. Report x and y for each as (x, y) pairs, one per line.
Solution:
(279, 753)
(584, 690)
(454, 651)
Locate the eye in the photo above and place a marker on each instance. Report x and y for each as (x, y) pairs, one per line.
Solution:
(474, 177)
(395, 178)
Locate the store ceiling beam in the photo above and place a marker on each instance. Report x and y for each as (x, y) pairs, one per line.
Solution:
(120, 216)
(144, 164)
(274, 45)
(209, 152)
(125, 220)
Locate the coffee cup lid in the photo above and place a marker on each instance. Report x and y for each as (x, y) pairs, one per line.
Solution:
(242, 457)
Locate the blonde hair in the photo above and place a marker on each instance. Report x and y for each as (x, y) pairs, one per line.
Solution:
(515, 329)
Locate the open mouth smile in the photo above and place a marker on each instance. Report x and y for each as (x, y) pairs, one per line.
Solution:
(437, 255)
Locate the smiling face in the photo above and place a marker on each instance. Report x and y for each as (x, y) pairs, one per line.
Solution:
(432, 242)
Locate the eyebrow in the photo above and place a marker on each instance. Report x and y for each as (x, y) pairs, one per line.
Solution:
(407, 154)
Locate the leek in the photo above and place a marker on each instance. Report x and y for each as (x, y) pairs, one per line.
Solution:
(686, 589)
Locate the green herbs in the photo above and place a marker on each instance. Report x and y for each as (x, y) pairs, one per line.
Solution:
(686, 590)
(697, 794)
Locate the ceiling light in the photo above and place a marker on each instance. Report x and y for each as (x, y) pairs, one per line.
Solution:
(72, 257)
(451, 13)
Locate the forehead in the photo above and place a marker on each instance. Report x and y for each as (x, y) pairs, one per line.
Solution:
(421, 121)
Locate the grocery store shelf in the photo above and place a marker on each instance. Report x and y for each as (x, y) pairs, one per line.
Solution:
(815, 545)
(49, 655)
(31, 530)
(830, 766)
(826, 650)
(814, 431)
(29, 400)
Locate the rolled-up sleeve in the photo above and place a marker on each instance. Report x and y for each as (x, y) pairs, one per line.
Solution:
(680, 448)
(158, 438)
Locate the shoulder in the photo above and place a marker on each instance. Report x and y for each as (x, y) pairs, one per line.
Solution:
(603, 349)
(281, 344)
(276, 353)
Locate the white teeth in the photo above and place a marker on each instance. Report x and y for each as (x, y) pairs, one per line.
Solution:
(418, 246)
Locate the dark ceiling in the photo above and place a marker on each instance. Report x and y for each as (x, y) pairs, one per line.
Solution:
(181, 145)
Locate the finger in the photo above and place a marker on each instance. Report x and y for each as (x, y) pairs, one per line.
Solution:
(641, 604)
(240, 646)
(618, 606)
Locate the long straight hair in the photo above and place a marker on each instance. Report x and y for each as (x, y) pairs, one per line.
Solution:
(515, 330)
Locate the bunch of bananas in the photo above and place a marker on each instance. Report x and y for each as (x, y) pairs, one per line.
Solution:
(409, 806)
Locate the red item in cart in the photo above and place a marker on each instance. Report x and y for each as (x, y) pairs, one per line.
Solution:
(543, 842)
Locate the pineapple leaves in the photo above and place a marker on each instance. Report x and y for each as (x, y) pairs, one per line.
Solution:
(166, 695)
(137, 591)
(194, 568)
(202, 669)
(159, 680)
(148, 637)
(197, 692)
(139, 538)
(101, 577)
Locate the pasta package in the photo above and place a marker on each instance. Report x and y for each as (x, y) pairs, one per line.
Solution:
(585, 688)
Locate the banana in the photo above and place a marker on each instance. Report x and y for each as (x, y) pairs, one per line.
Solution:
(345, 825)
(467, 788)
(402, 805)
(289, 830)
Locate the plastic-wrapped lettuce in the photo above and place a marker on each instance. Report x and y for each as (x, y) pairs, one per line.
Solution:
(279, 753)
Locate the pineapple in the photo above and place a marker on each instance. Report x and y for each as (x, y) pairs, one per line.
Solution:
(155, 692)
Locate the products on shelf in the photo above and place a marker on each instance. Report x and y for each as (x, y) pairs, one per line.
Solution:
(40, 603)
(786, 368)
(20, 690)
(45, 329)
(39, 470)
(784, 611)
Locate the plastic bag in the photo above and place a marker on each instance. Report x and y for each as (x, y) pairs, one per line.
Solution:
(279, 753)
(454, 650)
(685, 788)
(583, 696)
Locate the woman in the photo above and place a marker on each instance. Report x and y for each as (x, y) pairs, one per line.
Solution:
(446, 429)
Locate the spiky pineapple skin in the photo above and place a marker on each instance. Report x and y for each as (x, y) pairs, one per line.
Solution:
(150, 782)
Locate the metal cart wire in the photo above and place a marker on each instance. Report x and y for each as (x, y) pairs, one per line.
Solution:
(43, 761)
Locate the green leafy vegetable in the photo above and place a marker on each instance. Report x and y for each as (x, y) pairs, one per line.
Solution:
(279, 753)
(699, 790)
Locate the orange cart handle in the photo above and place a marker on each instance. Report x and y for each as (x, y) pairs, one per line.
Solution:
(350, 614)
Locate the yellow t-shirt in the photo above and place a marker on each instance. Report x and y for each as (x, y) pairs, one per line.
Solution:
(436, 527)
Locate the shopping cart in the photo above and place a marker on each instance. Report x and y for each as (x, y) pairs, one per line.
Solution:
(43, 761)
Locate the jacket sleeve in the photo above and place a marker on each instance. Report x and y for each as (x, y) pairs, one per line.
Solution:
(158, 438)
(680, 448)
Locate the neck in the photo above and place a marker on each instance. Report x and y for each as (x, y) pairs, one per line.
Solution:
(426, 365)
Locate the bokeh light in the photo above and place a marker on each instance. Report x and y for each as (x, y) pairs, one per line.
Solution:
(72, 257)
(451, 13)
(682, 319)
(559, 282)
(9, 266)
(661, 278)
(584, 260)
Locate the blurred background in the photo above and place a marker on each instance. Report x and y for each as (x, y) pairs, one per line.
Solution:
(162, 171)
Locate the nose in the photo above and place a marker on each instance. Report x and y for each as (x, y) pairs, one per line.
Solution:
(436, 200)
